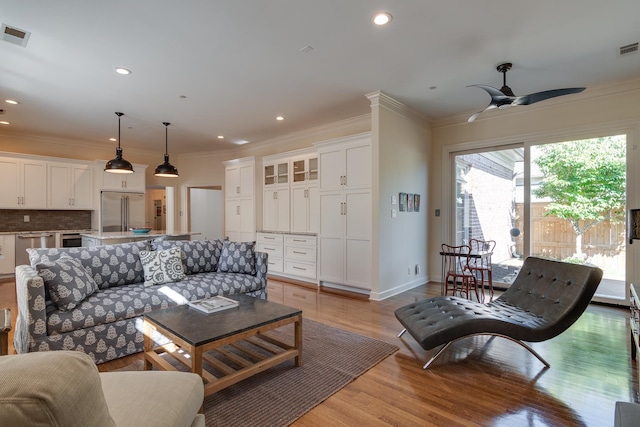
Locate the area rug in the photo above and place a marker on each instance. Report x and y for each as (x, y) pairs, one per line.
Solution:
(331, 359)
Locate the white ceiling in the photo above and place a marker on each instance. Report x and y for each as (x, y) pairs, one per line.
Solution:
(239, 62)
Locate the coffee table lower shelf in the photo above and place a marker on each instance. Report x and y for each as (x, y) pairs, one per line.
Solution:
(250, 351)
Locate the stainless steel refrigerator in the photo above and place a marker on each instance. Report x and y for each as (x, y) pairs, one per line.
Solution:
(121, 211)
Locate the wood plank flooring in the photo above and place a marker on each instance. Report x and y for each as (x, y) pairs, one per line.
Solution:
(477, 382)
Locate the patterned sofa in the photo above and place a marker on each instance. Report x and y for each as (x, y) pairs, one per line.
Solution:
(92, 299)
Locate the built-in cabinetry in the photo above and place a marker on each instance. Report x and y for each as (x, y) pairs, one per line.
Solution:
(24, 183)
(70, 186)
(305, 207)
(239, 200)
(133, 182)
(275, 196)
(290, 255)
(290, 192)
(7, 254)
(345, 212)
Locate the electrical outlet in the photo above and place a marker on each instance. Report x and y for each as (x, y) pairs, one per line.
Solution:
(26, 218)
(417, 269)
(408, 270)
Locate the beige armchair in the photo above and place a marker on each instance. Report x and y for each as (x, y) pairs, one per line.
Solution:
(64, 388)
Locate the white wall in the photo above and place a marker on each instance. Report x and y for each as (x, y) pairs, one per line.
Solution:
(603, 110)
(401, 145)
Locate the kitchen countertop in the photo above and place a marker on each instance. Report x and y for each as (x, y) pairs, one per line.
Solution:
(128, 234)
(84, 230)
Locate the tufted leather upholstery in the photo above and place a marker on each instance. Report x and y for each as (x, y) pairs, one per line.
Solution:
(545, 299)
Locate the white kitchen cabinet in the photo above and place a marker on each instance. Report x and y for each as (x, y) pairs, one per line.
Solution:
(240, 215)
(345, 206)
(7, 254)
(134, 182)
(272, 244)
(304, 194)
(239, 179)
(275, 209)
(24, 183)
(345, 165)
(70, 186)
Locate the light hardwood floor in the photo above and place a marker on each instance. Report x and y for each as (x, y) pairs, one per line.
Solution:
(477, 382)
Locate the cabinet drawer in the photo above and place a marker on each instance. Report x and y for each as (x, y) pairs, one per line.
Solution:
(301, 269)
(300, 240)
(269, 238)
(275, 265)
(274, 250)
(301, 253)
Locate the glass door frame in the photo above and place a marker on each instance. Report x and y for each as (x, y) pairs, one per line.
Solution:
(629, 127)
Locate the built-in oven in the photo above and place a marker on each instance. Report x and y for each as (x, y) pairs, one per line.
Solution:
(70, 240)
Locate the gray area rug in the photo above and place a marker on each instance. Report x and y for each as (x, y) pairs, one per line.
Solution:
(331, 359)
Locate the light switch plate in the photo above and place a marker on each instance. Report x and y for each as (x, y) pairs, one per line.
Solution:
(393, 213)
(394, 200)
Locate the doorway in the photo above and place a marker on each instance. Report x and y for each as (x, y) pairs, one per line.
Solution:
(561, 200)
(206, 212)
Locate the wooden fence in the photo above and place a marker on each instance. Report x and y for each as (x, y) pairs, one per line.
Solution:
(552, 237)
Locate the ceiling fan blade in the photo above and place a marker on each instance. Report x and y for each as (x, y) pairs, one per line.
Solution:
(475, 115)
(541, 96)
(495, 93)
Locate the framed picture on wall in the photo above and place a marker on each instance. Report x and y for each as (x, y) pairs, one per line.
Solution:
(416, 203)
(403, 202)
(409, 202)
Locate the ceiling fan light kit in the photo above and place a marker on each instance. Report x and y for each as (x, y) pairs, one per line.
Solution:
(166, 169)
(504, 97)
(118, 165)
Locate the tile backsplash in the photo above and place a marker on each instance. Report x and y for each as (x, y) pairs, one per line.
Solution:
(44, 220)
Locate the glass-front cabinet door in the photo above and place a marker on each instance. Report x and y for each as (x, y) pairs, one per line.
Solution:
(305, 169)
(277, 173)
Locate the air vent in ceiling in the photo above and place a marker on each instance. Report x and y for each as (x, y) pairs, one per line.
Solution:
(630, 48)
(15, 35)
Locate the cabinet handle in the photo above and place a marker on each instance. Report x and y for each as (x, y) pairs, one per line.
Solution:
(341, 208)
(73, 202)
(237, 190)
(238, 210)
(299, 253)
(269, 238)
(275, 195)
(345, 180)
(23, 200)
(345, 208)
(269, 249)
(18, 199)
(299, 268)
(299, 240)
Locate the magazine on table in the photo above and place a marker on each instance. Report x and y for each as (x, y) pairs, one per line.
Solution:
(213, 304)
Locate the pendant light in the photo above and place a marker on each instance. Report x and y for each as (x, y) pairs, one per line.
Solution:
(118, 165)
(166, 169)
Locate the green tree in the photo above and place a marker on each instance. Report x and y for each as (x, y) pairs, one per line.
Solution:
(585, 181)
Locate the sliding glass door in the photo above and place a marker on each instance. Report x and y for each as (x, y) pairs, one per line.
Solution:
(563, 200)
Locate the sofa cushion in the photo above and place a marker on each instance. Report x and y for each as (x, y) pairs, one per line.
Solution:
(53, 388)
(198, 256)
(67, 281)
(110, 265)
(162, 266)
(237, 257)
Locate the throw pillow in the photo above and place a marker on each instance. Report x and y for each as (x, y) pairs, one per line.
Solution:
(237, 258)
(162, 266)
(67, 281)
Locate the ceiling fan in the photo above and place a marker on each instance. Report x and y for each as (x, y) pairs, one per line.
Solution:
(505, 98)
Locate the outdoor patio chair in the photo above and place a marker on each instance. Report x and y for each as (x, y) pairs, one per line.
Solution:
(545, 299)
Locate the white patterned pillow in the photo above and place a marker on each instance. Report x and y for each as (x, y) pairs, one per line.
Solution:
(162, 266)
(237, 258)
(67, 281)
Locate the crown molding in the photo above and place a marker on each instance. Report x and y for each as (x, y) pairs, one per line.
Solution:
(381, 99)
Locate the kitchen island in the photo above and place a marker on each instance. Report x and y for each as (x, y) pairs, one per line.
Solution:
(113, 237)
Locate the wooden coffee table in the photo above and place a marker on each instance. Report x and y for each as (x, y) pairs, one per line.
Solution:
(231, 342)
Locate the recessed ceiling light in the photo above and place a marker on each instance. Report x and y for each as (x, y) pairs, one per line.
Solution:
(241, 142)
(123, 71)
(279, 118)
(382, 18)
(11, 101)
(220, 136)
(2, 122)
(112, 139)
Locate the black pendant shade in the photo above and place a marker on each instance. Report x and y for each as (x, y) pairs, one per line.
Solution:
(166, 169)
(118, 165)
